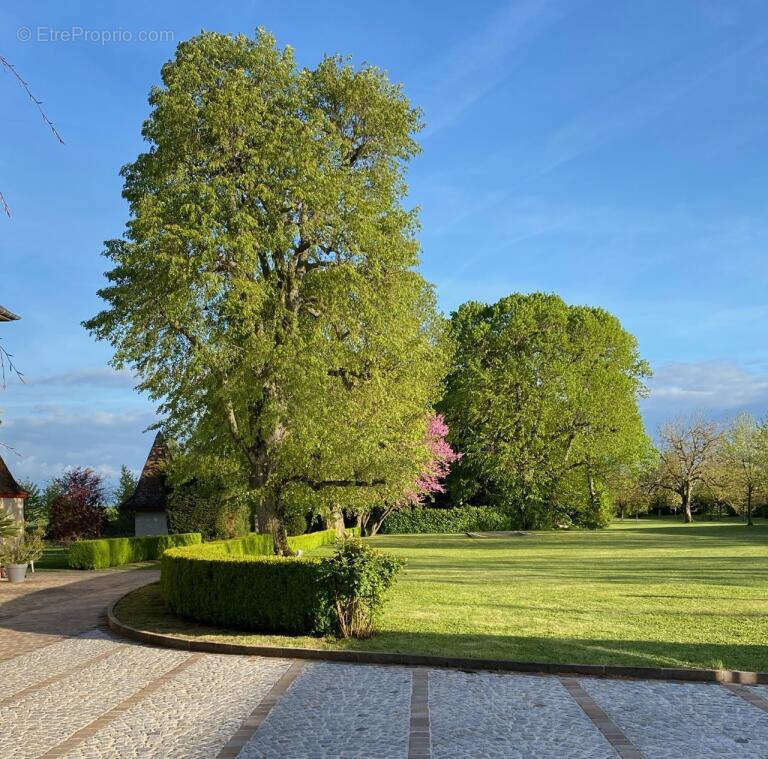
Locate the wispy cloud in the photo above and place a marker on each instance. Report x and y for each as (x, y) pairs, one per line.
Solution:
(481, 61)
(100, 376)
(67, 416)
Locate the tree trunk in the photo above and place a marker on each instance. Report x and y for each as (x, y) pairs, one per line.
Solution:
(687, 513)
(271, 521)
(337, 521)
(750, 523)
(593, 494)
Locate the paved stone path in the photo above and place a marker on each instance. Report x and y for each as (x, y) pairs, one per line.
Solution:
(69, 688)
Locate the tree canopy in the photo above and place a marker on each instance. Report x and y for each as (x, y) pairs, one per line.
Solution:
(265, 287)
(542, 401)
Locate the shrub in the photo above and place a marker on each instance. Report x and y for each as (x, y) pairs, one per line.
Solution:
(77, 510)
(239, 583)
(9, 527)
(114, 552)
(23, 548)
(296, 523)
(247, 592)
(356, 578)
(447, 521)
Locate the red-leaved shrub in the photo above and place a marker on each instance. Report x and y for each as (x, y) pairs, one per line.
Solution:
(78, 509)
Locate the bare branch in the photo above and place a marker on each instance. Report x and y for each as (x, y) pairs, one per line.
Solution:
(6, 358)
(5, 63)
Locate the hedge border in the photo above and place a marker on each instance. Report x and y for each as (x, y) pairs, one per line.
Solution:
(240, 583)
(103, 553)
(677, 674)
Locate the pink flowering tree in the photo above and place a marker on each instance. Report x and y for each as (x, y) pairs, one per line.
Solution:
(429, 481)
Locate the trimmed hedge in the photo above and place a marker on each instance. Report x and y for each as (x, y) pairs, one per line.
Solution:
(447, 521)
(114, 552)
(238, 583)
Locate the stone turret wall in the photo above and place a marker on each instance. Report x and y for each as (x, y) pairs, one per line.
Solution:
(13, 506)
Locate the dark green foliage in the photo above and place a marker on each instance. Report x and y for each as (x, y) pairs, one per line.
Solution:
(239, 583)
(121, 517)
(296, 523)
(261, 593)
(447, 521)
(204, 506)
(356, 578)
(114, 552)
(35, 504)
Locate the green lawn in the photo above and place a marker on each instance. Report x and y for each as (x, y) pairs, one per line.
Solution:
(648, 593)
(54, 557)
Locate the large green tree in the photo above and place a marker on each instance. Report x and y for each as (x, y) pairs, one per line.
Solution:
(265, 287)
(542, 402)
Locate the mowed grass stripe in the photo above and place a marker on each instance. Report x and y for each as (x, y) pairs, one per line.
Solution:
(645, 593)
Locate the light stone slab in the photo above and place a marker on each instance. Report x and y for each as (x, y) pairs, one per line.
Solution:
(509, 716)
(192, 715)
(28, 669)
(669, 720)
(44, 718)
(338, 711)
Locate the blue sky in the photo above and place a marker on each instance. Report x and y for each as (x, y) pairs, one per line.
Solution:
(613, 153)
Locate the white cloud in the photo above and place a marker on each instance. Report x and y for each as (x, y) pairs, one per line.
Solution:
(48, 439)
(719, 389)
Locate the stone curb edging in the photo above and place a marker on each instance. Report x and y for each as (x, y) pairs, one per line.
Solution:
(427, 660)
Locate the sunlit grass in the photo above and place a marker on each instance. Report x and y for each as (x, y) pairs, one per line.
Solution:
(650, 593)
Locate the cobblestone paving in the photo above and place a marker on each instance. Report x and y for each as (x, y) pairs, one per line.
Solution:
(68, 689)
(194, 714)
(338, 710)
(510, 717)
(668, 720)
(53, 605)
(126, 701)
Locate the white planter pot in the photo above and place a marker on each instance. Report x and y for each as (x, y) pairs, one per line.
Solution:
(16, 572)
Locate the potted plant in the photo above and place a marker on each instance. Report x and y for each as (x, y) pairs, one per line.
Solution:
(16, 553)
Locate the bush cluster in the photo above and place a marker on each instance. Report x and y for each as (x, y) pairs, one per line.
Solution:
(446, 521)
(114, 552)
(238, 583)
(355, 579)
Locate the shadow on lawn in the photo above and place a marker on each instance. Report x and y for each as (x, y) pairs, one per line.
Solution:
(145, 610)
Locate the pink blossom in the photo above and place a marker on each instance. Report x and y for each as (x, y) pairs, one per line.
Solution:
(442, 456)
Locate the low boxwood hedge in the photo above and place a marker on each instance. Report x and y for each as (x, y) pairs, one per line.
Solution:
(114, 552)
(452, 521)
(238, 583)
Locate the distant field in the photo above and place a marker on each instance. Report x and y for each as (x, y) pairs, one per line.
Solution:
(647, 593)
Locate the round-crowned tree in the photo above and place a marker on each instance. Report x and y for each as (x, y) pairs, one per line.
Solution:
(265, 288)
(542, 402)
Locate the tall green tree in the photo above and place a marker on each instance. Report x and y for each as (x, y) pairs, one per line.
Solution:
(35, 504)
(542, 401)
(265, 287)
(743, 463)
(126, 485)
